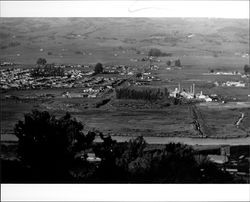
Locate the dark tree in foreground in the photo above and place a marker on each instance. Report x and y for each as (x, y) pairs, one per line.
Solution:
(48, 144)
(98, 68)
(133, 162)
(41, 61)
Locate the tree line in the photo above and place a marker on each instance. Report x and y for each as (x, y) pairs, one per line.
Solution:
(141, 93)
(155, 52)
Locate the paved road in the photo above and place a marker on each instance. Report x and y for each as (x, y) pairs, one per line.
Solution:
(166, 140)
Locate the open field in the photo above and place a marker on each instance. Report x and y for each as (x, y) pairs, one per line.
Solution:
(222, 118)
(126, 118)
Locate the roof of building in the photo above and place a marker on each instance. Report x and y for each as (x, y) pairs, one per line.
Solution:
(218, 159)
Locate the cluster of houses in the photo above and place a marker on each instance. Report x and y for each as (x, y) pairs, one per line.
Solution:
(73, 78)
(223, 73)
(17, 78)
(95, 87)
(229, 83)
(230, 159)
(234, 84)
(145, 78)
(4, 64)
(120, 69)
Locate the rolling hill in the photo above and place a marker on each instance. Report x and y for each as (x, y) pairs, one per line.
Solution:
(88, 40)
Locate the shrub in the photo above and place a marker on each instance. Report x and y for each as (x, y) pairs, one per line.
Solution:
(41, 61)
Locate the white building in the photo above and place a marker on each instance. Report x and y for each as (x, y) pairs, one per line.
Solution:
(234, 84)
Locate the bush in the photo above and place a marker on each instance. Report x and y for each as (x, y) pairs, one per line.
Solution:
(41, 61)
(178, 63)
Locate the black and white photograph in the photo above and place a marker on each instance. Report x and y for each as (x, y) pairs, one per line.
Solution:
(125, 99)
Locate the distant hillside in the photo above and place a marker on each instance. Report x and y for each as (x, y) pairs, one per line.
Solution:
(88, 40)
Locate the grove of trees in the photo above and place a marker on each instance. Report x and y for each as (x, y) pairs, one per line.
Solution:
(155, 52)
(140, 93)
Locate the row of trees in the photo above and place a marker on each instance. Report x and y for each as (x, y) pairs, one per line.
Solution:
(44, 69)
(141, 93)
(48, 147)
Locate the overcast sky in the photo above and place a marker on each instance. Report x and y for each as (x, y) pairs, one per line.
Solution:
(218, 9)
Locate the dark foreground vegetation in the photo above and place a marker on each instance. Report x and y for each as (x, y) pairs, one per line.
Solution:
(55, 150)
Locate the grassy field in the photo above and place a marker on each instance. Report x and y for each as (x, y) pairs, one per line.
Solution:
(12, 111)
(221, 119)
(133, 118)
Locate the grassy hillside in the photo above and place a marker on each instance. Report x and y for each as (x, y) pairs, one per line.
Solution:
(88, 40)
